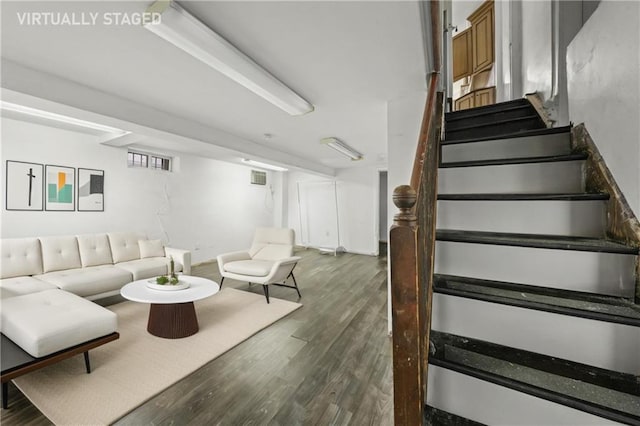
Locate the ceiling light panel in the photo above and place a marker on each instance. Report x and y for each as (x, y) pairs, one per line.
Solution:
(188, 33)
(262, 165)
(342, 148)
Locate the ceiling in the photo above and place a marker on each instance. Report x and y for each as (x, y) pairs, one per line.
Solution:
(347, 58)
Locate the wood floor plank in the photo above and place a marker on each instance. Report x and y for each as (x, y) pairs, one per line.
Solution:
(326, 363)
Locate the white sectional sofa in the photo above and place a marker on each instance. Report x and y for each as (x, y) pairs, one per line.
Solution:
(46, 284)
(91, 266)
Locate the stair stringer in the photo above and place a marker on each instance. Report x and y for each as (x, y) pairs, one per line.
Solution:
(622, 224)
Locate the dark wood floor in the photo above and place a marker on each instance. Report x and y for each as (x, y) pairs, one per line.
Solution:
(327, 363)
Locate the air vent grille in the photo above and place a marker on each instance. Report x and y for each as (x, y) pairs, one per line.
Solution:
(258, 178)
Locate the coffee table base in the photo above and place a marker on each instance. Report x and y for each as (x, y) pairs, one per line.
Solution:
(172, 321)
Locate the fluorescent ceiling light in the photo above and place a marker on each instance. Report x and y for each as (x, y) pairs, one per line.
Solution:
(342, 148)
(179, 27)
(20, 109)
(264, 165)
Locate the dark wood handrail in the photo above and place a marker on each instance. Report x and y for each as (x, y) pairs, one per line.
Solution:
(412, 249)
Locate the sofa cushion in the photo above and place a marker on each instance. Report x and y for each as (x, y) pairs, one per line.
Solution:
(124, 246)
(147, 268)
(256, 268)
(151, 248)
(18, 286)
(88, 281)
(59, 253)
(49, 321)
(20, 256)
(94, 250)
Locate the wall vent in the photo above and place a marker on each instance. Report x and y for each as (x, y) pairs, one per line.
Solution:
(258, 178)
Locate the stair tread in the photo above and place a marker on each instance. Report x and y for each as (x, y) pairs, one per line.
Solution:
(558, 242)
(497, 107)
(498, 123)
(522, 134)
(519, 106)
(522, 160)
(565, 302)
(599, 391)
(581, 196)
(437, 417)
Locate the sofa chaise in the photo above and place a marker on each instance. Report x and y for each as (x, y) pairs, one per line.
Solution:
(46, 285)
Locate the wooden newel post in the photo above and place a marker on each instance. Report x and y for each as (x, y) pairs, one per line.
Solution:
(406, 312)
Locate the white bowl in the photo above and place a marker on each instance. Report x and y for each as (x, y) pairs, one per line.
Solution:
(167, 287)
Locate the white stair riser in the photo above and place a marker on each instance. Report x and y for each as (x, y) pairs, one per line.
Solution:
(571, 218)
(531, 146)
(493, 404)
(554, 178)
(598, 343)
(603, 273)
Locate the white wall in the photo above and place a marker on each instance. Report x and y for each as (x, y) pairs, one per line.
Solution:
(461, 11)
(536, 47)
(357, 207)
(604, 89)
(206, 206)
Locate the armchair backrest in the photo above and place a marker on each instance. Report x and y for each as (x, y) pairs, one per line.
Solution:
(272, 244)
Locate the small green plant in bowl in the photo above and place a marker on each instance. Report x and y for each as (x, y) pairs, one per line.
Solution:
(173, 280)
(162, 280)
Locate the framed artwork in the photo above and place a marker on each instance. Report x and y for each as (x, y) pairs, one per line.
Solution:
(60, 190)
(24, 186)
(90, 190)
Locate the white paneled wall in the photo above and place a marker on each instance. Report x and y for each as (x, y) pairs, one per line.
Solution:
(206, 206)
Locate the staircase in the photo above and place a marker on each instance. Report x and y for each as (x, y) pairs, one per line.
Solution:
(534, 321)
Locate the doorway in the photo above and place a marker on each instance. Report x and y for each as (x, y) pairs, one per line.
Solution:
(383, 223)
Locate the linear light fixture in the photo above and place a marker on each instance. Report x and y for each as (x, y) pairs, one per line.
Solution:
(342, 148)
(185, 31)
(21, 109)
(264, 165)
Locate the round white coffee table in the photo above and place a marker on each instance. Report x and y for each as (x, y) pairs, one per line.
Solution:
(172, 314)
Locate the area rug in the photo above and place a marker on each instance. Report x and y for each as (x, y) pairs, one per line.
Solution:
(131, 370)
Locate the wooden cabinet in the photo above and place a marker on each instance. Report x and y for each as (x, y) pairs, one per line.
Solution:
(476, 98)
(486, 96)
(482, 34)
(474, 55)
(462, 54)
(464, 102)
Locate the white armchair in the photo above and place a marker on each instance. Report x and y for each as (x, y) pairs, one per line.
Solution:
(269, 261)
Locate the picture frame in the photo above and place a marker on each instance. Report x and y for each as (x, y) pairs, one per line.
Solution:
(90, 190)
(24, 186)
(59, 188)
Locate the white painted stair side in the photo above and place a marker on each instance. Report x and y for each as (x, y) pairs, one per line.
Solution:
(553, 178)
(592, 272)
(598, 343)
(530, 146)
(568, 218)
(493, 404)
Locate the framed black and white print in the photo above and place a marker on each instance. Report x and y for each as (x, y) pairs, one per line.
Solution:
(60, 188)
(24, 186)
(90, 190)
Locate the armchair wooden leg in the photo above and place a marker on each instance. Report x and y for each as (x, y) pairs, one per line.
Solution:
(266, 291)
(221, 281)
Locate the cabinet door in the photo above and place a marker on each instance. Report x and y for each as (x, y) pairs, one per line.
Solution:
(462, 52)
(482, 29)
(484, 97)
(464, 102)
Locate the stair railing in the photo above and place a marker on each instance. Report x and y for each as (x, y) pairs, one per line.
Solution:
(412, 248)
